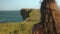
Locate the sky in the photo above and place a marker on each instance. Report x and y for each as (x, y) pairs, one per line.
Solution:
(19, 4)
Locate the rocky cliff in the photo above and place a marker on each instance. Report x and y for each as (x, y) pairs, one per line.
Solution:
(32, 15)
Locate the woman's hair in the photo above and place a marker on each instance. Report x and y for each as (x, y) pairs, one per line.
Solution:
(49, 0)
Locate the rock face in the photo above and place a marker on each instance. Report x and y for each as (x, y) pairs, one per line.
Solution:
(25, 13)
(30, 15)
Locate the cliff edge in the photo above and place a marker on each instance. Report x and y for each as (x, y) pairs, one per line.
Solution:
(30, 15)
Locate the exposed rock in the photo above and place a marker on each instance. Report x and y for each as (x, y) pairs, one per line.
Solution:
(31, 15)
(25, 13)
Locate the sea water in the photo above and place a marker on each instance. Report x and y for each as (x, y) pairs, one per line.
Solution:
(10, 16)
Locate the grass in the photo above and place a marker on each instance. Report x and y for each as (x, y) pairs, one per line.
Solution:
(16, 28)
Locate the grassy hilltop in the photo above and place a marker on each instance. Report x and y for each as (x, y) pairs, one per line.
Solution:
(24, 27)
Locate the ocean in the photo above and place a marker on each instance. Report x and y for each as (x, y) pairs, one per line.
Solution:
(10, 16)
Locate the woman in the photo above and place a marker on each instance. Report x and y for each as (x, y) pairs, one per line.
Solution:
(47, 22)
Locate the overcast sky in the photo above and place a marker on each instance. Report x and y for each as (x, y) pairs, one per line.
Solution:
(18, 4)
